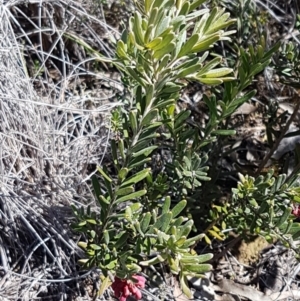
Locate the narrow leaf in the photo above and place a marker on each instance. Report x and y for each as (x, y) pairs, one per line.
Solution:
(184, 286)
(178, 208)
(146, 151)
(145, 222)
(125, 190)
(105, 284)
(122, 240)
(137, 177)
(104, 174)
(131, 196)
(188, 46)
(199, 268)
(206, 43)
(166, 205)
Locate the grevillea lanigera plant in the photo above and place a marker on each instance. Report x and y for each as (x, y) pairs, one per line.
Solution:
(143, 217)
(138, 225)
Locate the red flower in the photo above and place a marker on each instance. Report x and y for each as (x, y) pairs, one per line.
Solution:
(296, 210)
(124, 288)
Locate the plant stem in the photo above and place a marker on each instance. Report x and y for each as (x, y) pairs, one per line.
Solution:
(277, 142)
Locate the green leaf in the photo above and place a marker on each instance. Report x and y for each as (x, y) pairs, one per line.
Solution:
(178, 221)
(199, 268)
(181, 118)
(206, 43)
(92, 221)
(212, 105)
(122, 240)
(131, 196)
(128, 214)
(193, 60)
(180, 41)
(152, 115)
(106, 237)
(184, 9)
(135, 207)
(121, 50)
(215, 235)
(142, 144)
(166, 50)
(105, 284)
(212, 16)
(137, 28)
(104, 174)
(189, 71)
(138, 162)
(185, 230)
(137, 177)
(163, 63)
(163, 221)
(103, 202)
(166, 205)
(191, 241)
(189, 260)
(224, 132)
(219, 72)
(82, 245)
(125, 190)
(95, 247)
(239, 101)
(146, 151)
(162, 25)
(149, 34)
(196, 4)
(133, 120)
(178, 208)
(188, 46)
(165, 41)
(114, 153)
(284, 217)
(121, 148)
(177, 22)
(145, 221)
(154, 43)
(210, 81)
(220, 25)
(173, 264)
(204, 257)
(148, 97)
(154, 260)
(137, 76)
(295, 230)
(210, 65)
(184, 286)
(171, 88)
(123, 173)
(148, 4)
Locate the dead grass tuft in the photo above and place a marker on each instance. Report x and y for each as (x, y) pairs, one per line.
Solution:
(53, 132)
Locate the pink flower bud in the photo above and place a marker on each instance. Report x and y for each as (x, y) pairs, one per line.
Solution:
(123, 288)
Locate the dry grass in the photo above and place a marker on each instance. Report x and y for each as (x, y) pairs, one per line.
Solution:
(51, 136)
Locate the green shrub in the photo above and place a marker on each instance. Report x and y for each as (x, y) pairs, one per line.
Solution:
(146, 216)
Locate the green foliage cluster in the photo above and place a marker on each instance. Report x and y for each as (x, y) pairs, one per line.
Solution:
(289, 61)
(264, 207)
(146, 217)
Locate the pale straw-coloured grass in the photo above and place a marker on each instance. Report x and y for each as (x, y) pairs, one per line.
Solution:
(49, 138)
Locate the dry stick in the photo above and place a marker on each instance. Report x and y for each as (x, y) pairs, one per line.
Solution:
(231, 287)
(276, 144)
